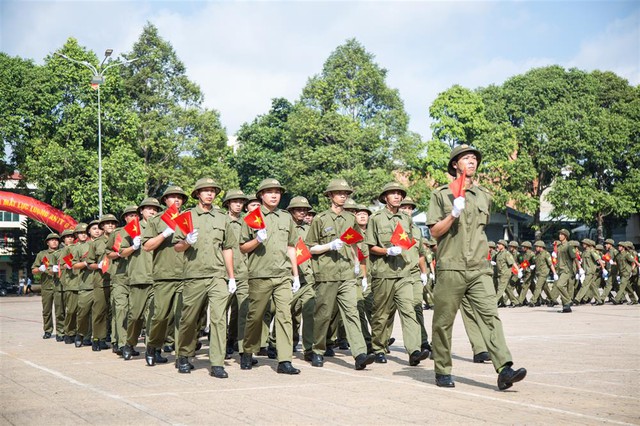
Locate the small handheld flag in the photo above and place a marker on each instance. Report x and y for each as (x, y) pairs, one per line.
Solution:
(117, 243)
(45, 262)
(302, 252)
(255, 220)
(68, 260)
(169, 216)
(400, 238)
(351, 236)
(457, 186)
(185, 222)
(133, 228)
(105, 265)
(361, 255)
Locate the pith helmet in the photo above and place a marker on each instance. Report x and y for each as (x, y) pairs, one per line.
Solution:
(252, 197)
(492, 244)
(599, 247)
(629, 245)
(205, 183)
(150, 202)
(565, 232)
(234, 194)
(81, 227)
(338, 185)
(457, 152)
(588, 242)
(391, 186)
(52, 236)
(67, 233)
(363, 208)
(503, 243)
(107, 218)
(350, 204)
(574, 243)
(94, 222)
(129, 209)
(610, 241)
(299, 202)
(408, 201)
(269, 183)
(174, 190)
(526, 244)
(540, 244)
(514, 244)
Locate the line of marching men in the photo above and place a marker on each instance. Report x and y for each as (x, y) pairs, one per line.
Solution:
(255, 278)
(526, 274)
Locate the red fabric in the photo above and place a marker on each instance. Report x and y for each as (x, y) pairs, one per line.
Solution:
(185, 222)
(45, 261)
(117, 242)
(133, 228)
(37, 210)
(351, 236)
(400, 238)
(169, 216)
(361, 255)
(67, 260)
(302, 252)
(255, 220)
(105, 265)
(457, 186)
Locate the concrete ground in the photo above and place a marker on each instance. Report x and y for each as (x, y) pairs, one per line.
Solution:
(583, 369)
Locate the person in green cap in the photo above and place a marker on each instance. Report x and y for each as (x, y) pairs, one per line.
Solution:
(462, 269)
(635, 272)
(527, 271)
(335, 268)
(46, 264)
(609, 258)
(626, 264)
(139, 278)
(543, 265)
(168, 271)
(504, 273)
(515, 280)
(591, 263)
(86, 282)
(304, 301)
(208, 277)
(66, 239)
(565, 269)
(391, 275)
(364, 294)
(70, 279)
(273, 275)
(234, 201)
(104, 269)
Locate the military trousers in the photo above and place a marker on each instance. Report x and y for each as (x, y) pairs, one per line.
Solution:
(561, 287)
(140, 301)
(303, 307)
(364, 310)
(524, 290)
(625, 288)
(100, 312)
(85, 306)
(58, 303)
(261, 292)
(166, 305)
(589, 289)
(119, 309)
(196, 294)
(47, 298)
(477, 286)
(342, 294)
(504, 289)
(71, 312)
(390, 293)
(475, 329)
(238, 307)
(417, 307)
(541, 284)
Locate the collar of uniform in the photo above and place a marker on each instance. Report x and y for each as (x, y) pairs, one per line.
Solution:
(335, 215)
(51, 250)
(390, 214)
(202, 211)
(265, 211)
(234, 219)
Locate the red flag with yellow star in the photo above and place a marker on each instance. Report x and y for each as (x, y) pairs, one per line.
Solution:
(351, 236)
(169, 216)
(514, 270)
(68, 260)
(255, 220)
(525, 264)
(457, 186)
(400, 238)
(117, 243)
(133, 228)
(361, 255)
(302, 252)
(105, 265)
(185, 222)
(45, 262)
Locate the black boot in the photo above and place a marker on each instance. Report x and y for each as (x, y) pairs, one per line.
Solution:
(183, 365)
(103, 344)
(95, 346)
(246, 361)
(127, 352)
(159, 358)
(150, 357)
(78, 341)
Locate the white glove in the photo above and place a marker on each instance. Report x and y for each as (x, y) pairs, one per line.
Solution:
(555, 277)
(458, 206)
(605, 274)
(55, 268)
(424, 279)
(432, 277)
(167, 232)
(192, 237)
(365, 284)
(618, 279)
(295, 286)
(357, 269)
(336, 244)
(493, 263)
(519, 273)
(554, 254)
(577, 276)
(261, 235)
(232, 285)
(42, 268)
(532, 267)
(100, 264)
(394, 251)
(136, 243)
(611, 262)
(581, 271)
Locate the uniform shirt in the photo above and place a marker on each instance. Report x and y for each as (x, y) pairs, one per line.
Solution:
(504, 262)
(204, 259)
(305, 270)
(119, 264)
(70, 278)
(167, 263)
(543, 264)
(140, 265)
(566, 256)
(613, 269)
(464, 246)
(528, 256)
(333, 265)
(380, 228)
(97, 254)
(240, 260)
(86, 276)
(270, 258)
(590, 260)
(625, 262)
(415, 252)
(47, 282)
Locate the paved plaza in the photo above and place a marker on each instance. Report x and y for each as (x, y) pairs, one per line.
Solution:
(584, 368)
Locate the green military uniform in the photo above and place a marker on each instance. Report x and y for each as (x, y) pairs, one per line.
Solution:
(391, 280)
(573, 277)
(335, 278)
(515, 284)
(463, 270)
(626, 262)
(168, 269)
(85, 292)
(565, 270)
(205, 280)
(270, 278)
(71, 281)
(612, 268)
(49, 282)
(504, 262)
(543, 263)
(590, 261)
(527, 273)
(635, 272)
(119, 290)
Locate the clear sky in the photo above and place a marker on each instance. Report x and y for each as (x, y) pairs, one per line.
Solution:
(243, 54)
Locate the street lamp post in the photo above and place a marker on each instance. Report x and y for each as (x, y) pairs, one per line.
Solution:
(97, 80)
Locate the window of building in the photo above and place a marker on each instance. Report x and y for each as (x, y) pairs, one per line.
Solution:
(10, 217)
